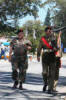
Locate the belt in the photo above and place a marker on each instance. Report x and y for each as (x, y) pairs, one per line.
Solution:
(46, 50)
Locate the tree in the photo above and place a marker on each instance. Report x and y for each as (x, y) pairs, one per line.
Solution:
(12, 10)
(39, 31)
(34, 25)
(57, 8)
(47, 19)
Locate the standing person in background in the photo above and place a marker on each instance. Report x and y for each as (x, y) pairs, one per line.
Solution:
(49, 45)
(18, 57)
(58, 59)
(2, 53)
(0, 50)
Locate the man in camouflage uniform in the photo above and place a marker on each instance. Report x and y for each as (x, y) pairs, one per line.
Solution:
(18, 58)
(48, 59)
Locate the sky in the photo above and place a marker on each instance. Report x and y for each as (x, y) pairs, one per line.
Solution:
(42, 14)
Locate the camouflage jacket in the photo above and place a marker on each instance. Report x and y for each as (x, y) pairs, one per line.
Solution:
(20, 47)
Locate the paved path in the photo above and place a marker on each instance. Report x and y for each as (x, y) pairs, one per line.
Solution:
(33, 85)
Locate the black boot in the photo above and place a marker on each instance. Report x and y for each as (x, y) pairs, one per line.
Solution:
(15, 84)
(20, 86)
(49, 91)
(44, 88)
(45, 78)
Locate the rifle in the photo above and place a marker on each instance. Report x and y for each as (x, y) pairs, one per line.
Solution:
(59, 29)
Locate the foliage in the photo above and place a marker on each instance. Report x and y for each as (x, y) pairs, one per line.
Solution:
(30, 26)
(57, 7)
(39, 31)
(34, 46)
(12, 10)
(47, 19)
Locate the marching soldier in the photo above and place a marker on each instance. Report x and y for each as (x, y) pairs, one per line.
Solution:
(49, 45)
(18, 57)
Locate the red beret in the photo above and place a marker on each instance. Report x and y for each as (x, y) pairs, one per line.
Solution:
(19, 30)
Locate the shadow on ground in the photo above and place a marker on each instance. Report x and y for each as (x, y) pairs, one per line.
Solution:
(64, 66)
(35, 79)
(62, 81)
(7, 93)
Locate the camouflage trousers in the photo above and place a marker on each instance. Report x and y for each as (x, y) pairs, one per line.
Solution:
(19, 68)
(56, 72)
(49, 74)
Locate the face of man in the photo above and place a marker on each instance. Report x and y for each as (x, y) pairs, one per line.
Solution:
(20, 35)
(48, 32)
